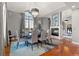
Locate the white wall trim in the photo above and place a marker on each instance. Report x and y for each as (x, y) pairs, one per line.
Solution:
(75, 42)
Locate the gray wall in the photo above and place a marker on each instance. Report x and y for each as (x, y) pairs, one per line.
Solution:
(75, 24)
(13, 21)
(44, 22)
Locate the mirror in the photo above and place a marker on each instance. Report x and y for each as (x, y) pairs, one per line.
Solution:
(67, 22)
(67, 26)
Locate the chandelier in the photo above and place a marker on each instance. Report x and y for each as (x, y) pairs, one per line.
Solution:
(35, 12)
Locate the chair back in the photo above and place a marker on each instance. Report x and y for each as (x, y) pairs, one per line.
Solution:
(34, 37)
(43, 35)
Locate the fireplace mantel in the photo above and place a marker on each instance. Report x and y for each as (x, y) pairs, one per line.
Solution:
(56, 25)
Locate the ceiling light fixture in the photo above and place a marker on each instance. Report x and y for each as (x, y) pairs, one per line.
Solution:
(73, 6)
(35, 12)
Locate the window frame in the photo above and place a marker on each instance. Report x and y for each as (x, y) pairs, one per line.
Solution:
(27, 17)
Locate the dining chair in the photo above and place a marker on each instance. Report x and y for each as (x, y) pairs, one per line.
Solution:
(19, 40)
(43, 38)
(33, 40)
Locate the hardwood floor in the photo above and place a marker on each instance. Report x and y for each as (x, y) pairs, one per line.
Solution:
(67, 48)
(6, 51)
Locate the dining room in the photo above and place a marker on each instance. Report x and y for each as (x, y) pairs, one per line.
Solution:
(39, 29)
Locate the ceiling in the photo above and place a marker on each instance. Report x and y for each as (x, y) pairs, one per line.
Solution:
(44, 7)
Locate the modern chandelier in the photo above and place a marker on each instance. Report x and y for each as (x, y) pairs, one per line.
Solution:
(35, 12)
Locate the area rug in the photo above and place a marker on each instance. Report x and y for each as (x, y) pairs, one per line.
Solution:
(23, 50)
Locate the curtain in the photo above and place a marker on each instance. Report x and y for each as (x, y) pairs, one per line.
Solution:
(22, 24)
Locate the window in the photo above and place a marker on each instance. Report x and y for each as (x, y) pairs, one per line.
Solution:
(29, 21)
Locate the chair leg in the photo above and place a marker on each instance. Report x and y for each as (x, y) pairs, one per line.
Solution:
(38, 45)
(27, 43)
(51, 40)
(32, 46)
(41, 44)
(47, 41)
(17, 44)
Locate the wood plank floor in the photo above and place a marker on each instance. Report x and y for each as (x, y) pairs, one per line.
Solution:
(67, 48)
(6, 51)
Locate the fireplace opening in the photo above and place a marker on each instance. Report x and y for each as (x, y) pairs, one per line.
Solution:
(55, 31)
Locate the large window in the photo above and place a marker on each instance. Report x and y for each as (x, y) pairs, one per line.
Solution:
(29, 21)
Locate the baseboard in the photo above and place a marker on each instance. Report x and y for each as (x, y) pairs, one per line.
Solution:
(75, 42)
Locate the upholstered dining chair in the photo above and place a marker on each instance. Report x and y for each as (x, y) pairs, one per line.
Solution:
(19, 40)
(43, 37)
(33, 40)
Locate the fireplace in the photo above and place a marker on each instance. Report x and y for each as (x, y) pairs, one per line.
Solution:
(55, 31)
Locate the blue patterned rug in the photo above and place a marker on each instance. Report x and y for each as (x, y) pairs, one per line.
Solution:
(20, 46)
(23, 50)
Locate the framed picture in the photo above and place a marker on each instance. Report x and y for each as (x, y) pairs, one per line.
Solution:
(55, 20)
